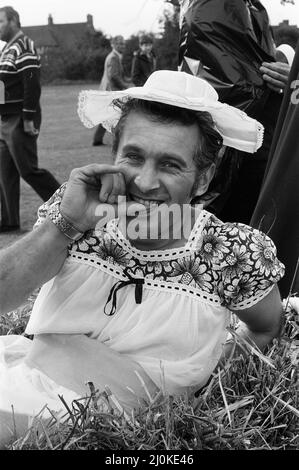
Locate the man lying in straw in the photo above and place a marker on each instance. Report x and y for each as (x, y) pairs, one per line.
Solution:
(138, 285)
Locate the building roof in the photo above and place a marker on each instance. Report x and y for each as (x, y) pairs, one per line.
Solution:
(41, 35)
(285, 23)
(55, 35)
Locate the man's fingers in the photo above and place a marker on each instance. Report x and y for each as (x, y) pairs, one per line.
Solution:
(92, 174)
(274, 88)
(110, 180)
(118, 188)
(95, 169)
(276, 71)
(273, 74)
(278, 67)
(273, 81)
(112, 186)
(106, 187)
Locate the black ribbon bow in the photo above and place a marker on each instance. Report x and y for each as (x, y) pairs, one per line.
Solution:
(138, 281)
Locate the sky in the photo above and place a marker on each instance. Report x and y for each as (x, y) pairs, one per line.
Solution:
(124, 17)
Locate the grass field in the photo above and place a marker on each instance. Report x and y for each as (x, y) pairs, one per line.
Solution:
(64, 143)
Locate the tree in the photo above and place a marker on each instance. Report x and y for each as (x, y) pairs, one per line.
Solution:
(83, 61)
(86, 60)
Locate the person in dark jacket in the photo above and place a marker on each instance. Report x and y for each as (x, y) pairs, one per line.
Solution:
(20, 120)
(144, 61)
(277, 209)
(230, 44)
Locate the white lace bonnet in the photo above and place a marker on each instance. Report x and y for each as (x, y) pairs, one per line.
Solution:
(178, 89)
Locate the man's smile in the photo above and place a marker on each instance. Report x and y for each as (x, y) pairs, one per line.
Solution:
(146, 201)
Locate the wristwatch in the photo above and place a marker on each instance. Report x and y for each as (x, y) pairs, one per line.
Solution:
(64, 226)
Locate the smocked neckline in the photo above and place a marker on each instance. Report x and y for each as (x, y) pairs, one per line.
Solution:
(187, 249)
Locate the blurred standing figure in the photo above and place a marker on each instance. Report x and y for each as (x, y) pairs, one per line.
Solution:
(144, 61)
(113, 78)
(20, 120)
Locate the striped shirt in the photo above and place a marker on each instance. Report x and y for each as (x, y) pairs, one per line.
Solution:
(20, 77)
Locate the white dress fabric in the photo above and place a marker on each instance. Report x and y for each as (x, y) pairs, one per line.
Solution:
(25, 388)
(177, 331)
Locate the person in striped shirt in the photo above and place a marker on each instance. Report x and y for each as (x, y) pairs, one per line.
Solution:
(20, 113)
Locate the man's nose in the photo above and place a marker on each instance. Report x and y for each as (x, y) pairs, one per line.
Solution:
(147, 180)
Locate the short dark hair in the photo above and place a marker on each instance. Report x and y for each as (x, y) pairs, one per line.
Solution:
(117, 39)
(11, 15)
(145, 39)
(168, 114)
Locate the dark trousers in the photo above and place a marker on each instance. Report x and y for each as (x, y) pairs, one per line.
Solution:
(99, 134)
(18, 157)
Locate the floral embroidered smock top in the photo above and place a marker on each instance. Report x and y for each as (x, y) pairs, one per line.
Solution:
(177, 331)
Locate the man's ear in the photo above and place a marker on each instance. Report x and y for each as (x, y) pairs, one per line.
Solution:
(203, 181)
(13, 23)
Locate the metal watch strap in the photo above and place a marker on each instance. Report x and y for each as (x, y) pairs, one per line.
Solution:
(64, 226)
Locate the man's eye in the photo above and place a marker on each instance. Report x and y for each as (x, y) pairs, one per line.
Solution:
(133, 157)
(170, 165)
